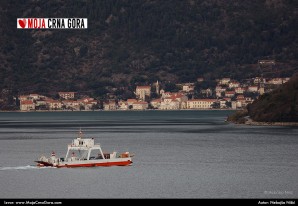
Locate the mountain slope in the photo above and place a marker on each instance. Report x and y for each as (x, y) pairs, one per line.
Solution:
(138, 42)
(281, 105)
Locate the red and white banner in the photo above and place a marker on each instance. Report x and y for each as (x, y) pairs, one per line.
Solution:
(52, 23)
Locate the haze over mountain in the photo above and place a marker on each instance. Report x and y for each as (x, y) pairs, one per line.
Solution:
(141, 41)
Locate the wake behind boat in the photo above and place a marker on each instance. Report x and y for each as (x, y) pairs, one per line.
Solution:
(82, 152)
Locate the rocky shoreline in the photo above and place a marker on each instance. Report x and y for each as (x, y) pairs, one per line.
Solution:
(248, 121)
(254, 123)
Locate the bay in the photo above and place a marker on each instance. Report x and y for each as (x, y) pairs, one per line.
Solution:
(178, 154)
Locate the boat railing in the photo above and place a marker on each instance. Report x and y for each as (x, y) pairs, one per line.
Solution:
(79, 146)
(83, 146)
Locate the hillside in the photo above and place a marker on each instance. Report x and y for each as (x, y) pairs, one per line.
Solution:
(139, 42)
(281, 105)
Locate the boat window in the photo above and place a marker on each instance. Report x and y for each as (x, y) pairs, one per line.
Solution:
(99, 156)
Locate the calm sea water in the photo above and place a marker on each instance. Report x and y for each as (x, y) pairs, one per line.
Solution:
(178, 154)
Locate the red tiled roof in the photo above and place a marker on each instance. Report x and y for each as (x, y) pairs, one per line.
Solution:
(91, 102)
(27, 102)
(179, 95)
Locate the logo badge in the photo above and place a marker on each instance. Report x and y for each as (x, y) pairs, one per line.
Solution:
(52, 23)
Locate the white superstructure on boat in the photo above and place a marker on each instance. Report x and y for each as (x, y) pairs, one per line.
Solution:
(83, 152)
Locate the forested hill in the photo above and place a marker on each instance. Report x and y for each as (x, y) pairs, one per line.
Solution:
(131, 42)
(281, 105)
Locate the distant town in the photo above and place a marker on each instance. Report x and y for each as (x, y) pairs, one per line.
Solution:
(225, 94)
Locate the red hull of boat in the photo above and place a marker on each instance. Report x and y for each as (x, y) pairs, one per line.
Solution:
(103, 164)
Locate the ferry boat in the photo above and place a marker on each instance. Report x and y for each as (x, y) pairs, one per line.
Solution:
(82, 152)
